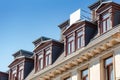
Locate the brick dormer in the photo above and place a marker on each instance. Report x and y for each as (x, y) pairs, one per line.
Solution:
(78, 35)
(19, 67)
(108, 15)
(46, 53)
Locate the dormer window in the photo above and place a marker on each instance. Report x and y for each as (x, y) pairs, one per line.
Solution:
(20, 76)
(47, 57)
(80, 39)
(78, 35)
(108, 15)
(20, 72)
(105, 22)
(23, 60)
(70, 44)
(40, 61)
(14, 74)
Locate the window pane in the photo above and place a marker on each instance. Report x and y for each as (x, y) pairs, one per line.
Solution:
(108, 61)
(109, 69)
(70, 45)
(106, 22)
(111, 73)
(46, 60)
(47, 57)
(104, 26)
(68, 48)
(85, 72)
(80, 33)
(80, 39)
(20, 76)
(40, 61)
(70, 39)
(106, 15)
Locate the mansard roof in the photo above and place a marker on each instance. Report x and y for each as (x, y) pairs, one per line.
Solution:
(22, 53)
(77, 24)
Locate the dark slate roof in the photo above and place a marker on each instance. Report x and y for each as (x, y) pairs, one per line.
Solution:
(64, 24)
(94, 5)
(23, 53)
(4, 73)
(39, 40)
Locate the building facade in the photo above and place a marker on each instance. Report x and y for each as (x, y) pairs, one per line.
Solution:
(87, 50)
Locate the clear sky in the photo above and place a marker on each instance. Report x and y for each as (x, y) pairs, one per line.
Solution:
(23, 21)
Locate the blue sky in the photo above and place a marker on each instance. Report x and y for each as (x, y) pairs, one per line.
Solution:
(23, 21)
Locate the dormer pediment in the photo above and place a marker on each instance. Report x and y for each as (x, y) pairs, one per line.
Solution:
(105, 5)
(16, 61)
(42, 45)
(47, 43)
(79, 24)
(73, 26)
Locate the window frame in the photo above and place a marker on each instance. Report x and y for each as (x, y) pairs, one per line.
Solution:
(107, 68)
(106, 22)
(49, 56)
(80, 37)
(102, 65)
(20, 75)
(82, 68)
(84, 77)
(14, 73)
(20, 71)
(39, 59)
(70, 42)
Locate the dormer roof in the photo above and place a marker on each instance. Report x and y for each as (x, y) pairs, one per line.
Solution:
(96, 4)
(93, 6)
(22, 53)
(39, 40)
(104, 5)
(67, 22)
